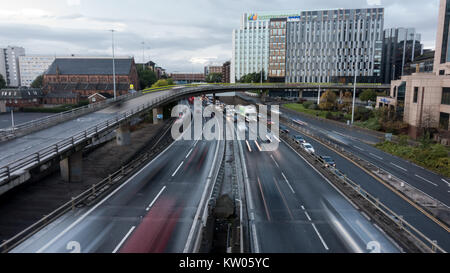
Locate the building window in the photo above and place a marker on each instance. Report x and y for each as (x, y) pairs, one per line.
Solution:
(446, 95)
(444, 121)
(416, 93)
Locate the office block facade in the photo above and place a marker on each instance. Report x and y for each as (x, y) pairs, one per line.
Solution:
(33, 66)
(9, 64)
(310, 46)
(400, 46)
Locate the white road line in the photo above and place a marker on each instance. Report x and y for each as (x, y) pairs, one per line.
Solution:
(271, 156)
(123, 239)
(154, 200)
(257, 145)
(380, 158)
(98, 204)
(255, 238)
(361, 149)
(320, 237)
(181, 164)
(287, 181)
(189, 153)
(307, 215)
(303, 208)
(445, 181)
(426, 180)
(401, 168)
(248, 146)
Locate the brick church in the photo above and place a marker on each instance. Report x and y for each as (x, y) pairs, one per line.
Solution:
(83, 77)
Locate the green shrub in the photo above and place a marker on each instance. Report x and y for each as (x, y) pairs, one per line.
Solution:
(307, 104)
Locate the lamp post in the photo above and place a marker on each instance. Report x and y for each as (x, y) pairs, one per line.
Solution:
(354, 99)
(114, 65)
(143, 55)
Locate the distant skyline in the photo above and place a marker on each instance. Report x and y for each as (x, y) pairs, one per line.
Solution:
(181, 36)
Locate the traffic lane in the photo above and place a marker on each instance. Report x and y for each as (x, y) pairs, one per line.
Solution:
(433, 184)
(146, 179)
(26, 145)
(121, 210)
(281, 223)
(327, 207)
(20, 147)
(329, 126)
(389, 198)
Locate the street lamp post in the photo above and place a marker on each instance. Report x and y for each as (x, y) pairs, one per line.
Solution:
(143, 55)
(354, 99)
(114, 65)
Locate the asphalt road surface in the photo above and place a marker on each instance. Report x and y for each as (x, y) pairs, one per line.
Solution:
(292, 208)
(151, 212)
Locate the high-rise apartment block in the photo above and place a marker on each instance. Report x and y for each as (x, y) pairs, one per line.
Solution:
(33, 66)
(9, 64)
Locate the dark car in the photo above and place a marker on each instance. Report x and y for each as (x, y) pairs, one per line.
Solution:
(299, 139)
(329, 162)
(284, 129)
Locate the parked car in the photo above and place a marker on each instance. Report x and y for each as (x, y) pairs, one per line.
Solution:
(308, 148)
(329, 162)
(299, 139)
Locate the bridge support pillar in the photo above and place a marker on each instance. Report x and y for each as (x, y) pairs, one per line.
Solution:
(72, 167)
(123, 135)
(157, 111)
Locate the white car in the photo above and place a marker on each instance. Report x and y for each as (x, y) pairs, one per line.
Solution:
(308, 148)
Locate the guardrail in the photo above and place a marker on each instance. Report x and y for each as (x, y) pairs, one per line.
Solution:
(19, 166)
(94, 191)
(38, 124)
(399, 220)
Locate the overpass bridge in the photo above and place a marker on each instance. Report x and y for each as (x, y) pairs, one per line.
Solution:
(36, 146)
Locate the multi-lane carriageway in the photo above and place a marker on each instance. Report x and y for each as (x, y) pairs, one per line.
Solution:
(291, 208)
(154, 211)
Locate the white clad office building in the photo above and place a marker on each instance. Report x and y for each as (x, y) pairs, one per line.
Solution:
(33, 66)
(250, 46)
(320, 46)
(330, 44)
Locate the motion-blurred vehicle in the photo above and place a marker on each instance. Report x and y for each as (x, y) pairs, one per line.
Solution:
(308, 148)
(329, 162)
(284, 129)
(299, 139)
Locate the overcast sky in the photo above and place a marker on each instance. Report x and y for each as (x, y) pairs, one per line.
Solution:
(179, 35)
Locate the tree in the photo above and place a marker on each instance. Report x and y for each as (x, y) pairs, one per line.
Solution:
(2, 82)
(37, 83)
(163, 82)
(328, 100)
(254, 77)
(146, 77)
(347, 101)
(214, 78)
(368, 95)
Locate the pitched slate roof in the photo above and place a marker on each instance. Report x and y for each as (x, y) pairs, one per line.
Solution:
(21, 93)
(90, 66)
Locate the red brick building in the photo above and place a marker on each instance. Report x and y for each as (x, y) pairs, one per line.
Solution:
(20, 98)
(87, 76)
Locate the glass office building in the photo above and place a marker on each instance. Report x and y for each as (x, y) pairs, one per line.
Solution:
(309, 46)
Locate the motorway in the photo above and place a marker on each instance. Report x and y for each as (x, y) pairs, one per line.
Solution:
(358, 143)
(153, 211)
(429, 182)
(294, 209)
(23, 146)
